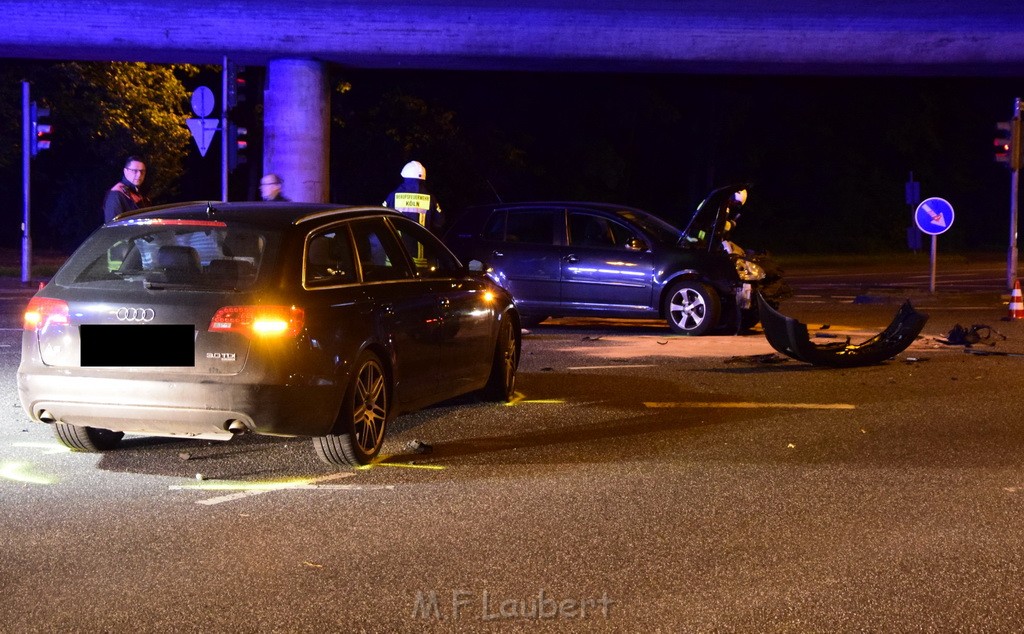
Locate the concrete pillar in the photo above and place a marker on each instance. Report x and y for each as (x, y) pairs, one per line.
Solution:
(297, 128)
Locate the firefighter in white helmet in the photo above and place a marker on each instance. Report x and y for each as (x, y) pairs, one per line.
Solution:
(413, 199)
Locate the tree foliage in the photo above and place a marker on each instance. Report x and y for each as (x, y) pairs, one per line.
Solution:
(101, 113)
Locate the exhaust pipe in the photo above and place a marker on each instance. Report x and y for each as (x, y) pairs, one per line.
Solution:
(46, 417)
(237, 427)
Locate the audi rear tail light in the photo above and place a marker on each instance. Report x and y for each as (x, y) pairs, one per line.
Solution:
(43, 311)
(261, 321)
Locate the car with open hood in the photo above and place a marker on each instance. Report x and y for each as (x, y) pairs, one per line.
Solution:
(209, 320)
(604, 260)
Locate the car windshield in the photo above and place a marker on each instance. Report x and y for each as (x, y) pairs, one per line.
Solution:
(661, 231)
(168, 253)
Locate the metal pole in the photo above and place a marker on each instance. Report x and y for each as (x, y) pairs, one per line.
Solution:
(1011, 257)
(935, 248)
(26, 171)
(224, 131)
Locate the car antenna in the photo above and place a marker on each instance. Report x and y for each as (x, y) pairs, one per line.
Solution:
(496, 195)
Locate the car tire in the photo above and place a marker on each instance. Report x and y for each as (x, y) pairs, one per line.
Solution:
(692, 308)
(90, 439)
(501, 384)
(364, 415)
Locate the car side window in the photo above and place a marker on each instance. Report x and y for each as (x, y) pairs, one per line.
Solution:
(429, 257)
(530, 226)
(588, 230)
(381, 257)
(329, 258)
(495, 227)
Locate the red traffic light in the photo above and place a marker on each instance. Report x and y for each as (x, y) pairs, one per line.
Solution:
(40, 134)
(1008, 143)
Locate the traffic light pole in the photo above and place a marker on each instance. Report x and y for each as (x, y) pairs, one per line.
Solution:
(224, 131)
(1011, 258)
(26, 171)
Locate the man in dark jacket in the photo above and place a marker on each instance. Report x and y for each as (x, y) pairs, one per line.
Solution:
(413, 199)
(125, 195)
(270, 188)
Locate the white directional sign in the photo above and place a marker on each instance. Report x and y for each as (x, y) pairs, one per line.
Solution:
(203, 131)
(934, 216)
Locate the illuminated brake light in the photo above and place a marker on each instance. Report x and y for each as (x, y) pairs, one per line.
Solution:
(43, 311)
(264, 321)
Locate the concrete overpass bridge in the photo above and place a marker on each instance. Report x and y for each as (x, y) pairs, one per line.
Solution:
(297, 39)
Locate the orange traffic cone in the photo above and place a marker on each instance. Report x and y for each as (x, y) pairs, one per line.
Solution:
(1016, 302)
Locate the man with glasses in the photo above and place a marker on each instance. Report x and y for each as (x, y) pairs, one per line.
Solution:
(270, 188)
(125, 195)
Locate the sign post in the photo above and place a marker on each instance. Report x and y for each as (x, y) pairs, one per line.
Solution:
(26, 175)
(1011, 256)
(934, 216)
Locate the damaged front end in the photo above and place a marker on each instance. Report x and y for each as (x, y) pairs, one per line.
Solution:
(790, 337)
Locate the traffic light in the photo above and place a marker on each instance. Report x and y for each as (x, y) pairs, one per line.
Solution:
(1007, 143)
(41, 131)
(237, 144)
(235, 85)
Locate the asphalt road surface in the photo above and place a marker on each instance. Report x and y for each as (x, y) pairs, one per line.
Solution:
(640, 481)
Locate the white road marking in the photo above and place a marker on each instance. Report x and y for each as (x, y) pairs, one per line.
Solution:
(610, 367)
(250, 489)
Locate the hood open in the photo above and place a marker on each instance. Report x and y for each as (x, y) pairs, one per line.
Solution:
(715, 217)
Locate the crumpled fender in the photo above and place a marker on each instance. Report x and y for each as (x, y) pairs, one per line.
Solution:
(790, 337)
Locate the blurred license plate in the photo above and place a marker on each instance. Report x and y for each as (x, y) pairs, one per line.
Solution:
(159, 345)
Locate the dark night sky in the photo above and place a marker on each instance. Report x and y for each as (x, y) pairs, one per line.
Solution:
(827, 156)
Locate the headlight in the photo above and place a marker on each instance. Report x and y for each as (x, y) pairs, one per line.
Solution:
(748, 271)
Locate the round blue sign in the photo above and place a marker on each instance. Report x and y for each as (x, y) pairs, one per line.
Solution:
(934, 216)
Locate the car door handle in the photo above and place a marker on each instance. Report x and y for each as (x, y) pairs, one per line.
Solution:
(497, 254)
(571, 259)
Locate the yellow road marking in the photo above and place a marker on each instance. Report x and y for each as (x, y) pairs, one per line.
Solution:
(402, 465)
(751, 405)
(16, 471)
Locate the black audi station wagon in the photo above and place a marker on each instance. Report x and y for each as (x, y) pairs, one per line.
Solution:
(209, 320)
(605, 260)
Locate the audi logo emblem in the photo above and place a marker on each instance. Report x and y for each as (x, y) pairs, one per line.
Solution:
(138, 315)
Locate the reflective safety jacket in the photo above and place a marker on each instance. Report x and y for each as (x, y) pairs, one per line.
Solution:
(413, 199)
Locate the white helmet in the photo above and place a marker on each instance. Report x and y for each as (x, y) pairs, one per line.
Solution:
(414, 169)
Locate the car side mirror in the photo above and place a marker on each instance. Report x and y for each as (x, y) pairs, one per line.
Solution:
(475, 265)
(636, 244)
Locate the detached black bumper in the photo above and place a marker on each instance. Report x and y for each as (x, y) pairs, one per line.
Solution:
(790, 337)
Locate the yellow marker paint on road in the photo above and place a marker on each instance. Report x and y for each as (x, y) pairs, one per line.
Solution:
(402, 465)
(519, 397)
(749, 405)
(16, 471)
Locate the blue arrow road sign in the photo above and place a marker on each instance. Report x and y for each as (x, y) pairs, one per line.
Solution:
(934, 216)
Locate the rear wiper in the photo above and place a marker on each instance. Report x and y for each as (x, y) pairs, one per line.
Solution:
(160, 286)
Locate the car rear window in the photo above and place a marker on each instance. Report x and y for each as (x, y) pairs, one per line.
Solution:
(168, 252)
